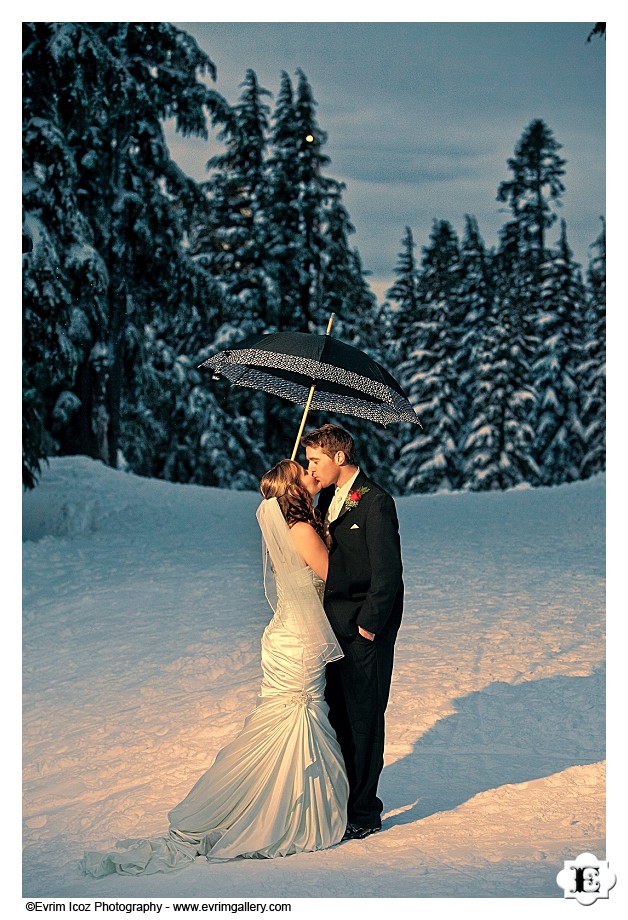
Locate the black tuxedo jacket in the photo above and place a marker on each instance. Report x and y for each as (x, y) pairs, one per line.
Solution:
(364, 585)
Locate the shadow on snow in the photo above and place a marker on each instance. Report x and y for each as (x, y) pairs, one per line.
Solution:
(500, 735)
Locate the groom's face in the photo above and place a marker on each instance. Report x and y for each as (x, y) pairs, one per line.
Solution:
(323, 468)
(312, 485)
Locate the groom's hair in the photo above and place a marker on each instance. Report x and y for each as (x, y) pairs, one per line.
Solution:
(330, 439)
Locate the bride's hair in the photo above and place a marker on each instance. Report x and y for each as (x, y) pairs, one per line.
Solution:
(283, 482)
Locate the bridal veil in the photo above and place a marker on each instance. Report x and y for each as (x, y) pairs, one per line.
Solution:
(289, 588)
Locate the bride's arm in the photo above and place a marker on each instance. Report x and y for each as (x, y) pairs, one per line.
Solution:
(311, 547)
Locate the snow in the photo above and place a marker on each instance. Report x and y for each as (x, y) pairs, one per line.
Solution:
(143, 610)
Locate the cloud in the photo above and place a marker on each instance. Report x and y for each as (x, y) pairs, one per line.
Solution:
(408, 162)
(421, 118)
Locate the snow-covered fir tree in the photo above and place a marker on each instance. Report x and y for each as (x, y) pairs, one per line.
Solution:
(534, 193)
(313, 196)
(358, 321)
(297, 196)
(180, 429)
(535, 190)
(230, 242)
(476, 295)
(397, 315)
(282, 212)
(231, 239)
(499, 447)
(310, 268)
(559, 434)
(431, 460)
(344, 290)
(593, 369)
(137, 274)
(64, 276)
(405, 296)
(517, 382)
(107, 89)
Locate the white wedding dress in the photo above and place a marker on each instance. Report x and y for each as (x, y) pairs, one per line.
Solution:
(280, 786)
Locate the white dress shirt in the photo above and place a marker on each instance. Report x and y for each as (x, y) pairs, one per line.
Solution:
(340, 496)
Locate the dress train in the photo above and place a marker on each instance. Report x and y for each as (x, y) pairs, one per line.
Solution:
(278, 788)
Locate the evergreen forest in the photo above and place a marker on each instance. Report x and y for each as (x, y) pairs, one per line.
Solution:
(134, 274)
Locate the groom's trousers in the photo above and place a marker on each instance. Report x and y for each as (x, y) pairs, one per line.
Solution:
(357, 691)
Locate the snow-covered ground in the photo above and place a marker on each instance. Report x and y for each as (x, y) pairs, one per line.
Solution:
(143, 612)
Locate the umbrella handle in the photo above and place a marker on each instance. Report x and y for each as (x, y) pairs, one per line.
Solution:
(309, 399)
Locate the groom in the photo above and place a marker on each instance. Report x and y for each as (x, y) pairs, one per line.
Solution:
(363, 601)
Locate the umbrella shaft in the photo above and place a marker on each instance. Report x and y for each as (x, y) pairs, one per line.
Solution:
(309, 399)
(305, 412)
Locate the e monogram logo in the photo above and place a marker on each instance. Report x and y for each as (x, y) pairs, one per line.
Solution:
(586, 879)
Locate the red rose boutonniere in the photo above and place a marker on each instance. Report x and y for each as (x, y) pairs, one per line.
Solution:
(354, 497)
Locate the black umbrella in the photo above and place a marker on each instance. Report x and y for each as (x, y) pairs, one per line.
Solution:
(316, 371)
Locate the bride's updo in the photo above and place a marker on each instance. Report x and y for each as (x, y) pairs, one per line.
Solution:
(283, 482)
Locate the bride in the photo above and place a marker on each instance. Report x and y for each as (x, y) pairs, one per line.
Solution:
(280, 787)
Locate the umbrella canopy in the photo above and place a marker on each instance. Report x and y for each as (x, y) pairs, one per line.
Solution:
(317, 371)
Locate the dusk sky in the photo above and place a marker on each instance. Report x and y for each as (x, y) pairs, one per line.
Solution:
(421, 117)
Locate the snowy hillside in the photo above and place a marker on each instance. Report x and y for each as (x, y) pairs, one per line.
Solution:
(143, 612)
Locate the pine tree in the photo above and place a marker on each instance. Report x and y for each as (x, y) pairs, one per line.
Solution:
(535, 189)
(282, 211)
(404, 293)
(312, 269)
(62, 272)
(593, 368)
(314, 190)
(298, 196)
(230, 242)
(396, 320)
(180, 429)
(357, 321)
(344, 290)
(106, 89)
(430, 461)
(137, 273)
(559, 435)
(476, 295)
(499, 447)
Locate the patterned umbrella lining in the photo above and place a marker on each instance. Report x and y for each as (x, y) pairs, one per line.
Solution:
(313, 370)
(384, 413)
(291, 380)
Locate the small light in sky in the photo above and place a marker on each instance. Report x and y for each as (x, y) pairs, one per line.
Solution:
(310, 138)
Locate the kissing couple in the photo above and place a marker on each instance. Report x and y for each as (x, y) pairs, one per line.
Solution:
(303, 772)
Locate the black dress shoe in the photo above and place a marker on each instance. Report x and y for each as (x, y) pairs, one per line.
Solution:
(355, 832)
